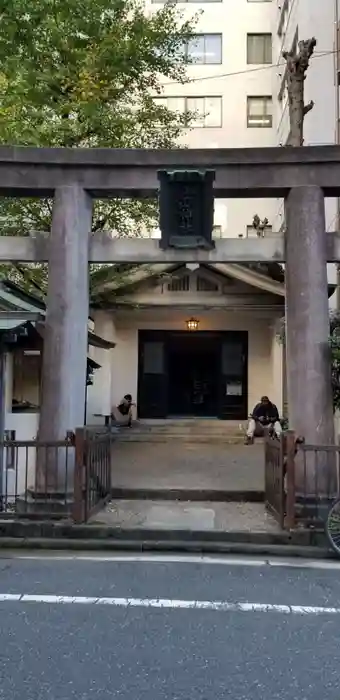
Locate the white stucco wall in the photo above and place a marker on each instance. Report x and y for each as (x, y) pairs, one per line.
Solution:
(124, 371)
(277, 367)
(99, 394)
(25, 425)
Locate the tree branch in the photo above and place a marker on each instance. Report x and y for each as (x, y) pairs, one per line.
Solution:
(307, 108)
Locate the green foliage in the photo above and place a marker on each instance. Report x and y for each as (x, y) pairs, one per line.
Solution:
(82, 73)
(334, 342)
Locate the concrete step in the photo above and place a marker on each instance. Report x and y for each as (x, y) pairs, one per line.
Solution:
(198, 424)
(190, 427)
(185, 430)
(200, 430)
(131, 436)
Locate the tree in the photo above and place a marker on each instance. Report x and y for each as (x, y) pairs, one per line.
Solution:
(82, 73)
(297, 65)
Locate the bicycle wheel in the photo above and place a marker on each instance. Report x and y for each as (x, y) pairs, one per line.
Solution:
(333, 527)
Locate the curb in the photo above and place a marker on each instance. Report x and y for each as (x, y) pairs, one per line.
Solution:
(96, 531)
(173, 546)
(66, 535)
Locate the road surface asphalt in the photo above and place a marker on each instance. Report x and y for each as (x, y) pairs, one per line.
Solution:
(168, 628)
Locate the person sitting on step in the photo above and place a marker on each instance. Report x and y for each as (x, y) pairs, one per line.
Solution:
(122, 414)
(265, 414)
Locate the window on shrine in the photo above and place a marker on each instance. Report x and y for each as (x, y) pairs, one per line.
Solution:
(203, 284)
(179, 284)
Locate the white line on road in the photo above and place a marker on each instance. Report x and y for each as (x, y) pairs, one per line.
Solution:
(296, 563)
(170, 604)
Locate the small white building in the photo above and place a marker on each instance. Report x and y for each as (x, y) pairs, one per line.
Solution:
(21, 347)
(186, 341)
(192, 340)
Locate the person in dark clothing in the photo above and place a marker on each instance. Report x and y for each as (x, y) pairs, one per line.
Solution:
(122, 413)
(264, 414)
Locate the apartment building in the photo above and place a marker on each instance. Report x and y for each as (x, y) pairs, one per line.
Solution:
(231, 90)
(239, 88)
(301, 19)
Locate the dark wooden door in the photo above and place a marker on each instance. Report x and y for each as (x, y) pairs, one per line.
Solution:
(233, 380)
(152, 376)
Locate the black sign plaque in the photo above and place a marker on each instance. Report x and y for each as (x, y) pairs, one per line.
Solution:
(186, 203)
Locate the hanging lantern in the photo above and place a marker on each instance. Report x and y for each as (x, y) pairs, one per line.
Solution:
(192, 324)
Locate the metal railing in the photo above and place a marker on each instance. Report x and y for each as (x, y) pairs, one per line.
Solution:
(36, 477)
(301, 480)
(92, 473)
(274, 478)
(315, 482)
(68, 478)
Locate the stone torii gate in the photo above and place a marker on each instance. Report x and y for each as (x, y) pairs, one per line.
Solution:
(303, 176)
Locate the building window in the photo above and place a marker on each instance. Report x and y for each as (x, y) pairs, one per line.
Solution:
(207, 111)
(259, 49)
(26, 380)
(204, 111)
(203, 284)
(259, 112)
(204, 49)
(252, 233)
(179, 284)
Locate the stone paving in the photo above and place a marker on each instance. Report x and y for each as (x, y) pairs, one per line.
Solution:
(188, 466)
(181, 515)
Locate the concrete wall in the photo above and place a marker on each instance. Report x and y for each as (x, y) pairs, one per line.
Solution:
(124, 371)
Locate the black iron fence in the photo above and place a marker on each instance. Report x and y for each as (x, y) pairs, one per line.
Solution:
(68, 478)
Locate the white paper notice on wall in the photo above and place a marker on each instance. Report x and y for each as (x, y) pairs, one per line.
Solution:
(234, 389)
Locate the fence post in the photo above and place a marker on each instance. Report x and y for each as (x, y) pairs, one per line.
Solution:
(78, 504)
(290, 478)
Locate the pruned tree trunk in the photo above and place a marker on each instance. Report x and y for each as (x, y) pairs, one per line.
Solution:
(297, 65)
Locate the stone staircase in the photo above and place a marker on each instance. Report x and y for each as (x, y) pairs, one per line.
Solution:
(194, 430)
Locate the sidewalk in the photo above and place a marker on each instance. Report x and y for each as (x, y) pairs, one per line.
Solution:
(182, 515)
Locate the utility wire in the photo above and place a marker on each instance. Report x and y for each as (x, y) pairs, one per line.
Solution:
(319, 54)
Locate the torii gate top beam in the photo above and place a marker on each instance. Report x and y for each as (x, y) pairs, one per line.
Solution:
(104, 173)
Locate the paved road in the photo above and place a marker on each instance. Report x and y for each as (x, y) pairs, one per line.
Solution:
(128, 647)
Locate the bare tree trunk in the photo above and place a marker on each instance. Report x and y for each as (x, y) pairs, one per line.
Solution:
(297, 65)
